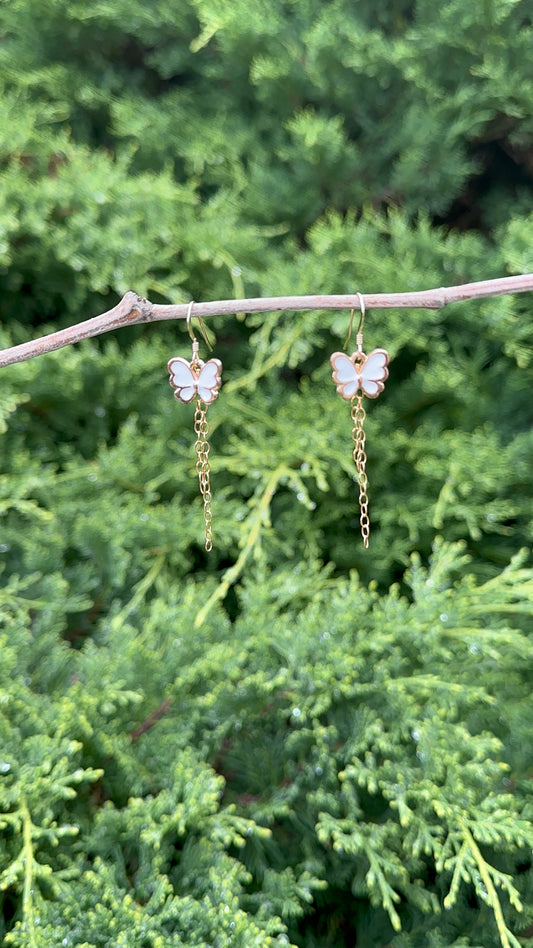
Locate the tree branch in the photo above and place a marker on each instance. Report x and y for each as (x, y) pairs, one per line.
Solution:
(133, 309)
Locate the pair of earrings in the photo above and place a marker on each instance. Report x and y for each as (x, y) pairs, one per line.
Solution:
(354, 376)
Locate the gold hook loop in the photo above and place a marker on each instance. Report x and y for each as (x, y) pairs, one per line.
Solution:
(204, 334)
(359, 336)
(189, 316)
(350, 327)
(202, 327)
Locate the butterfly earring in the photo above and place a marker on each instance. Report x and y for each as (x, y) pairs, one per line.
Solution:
(355, 376)
(200, 380)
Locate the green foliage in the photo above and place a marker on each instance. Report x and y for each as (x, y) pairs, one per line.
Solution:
(362, 743)
(290, 741)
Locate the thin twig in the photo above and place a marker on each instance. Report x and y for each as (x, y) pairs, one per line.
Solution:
(133, 309)
(151, 720)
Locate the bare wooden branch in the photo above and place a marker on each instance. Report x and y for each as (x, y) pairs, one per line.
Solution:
(133, 309)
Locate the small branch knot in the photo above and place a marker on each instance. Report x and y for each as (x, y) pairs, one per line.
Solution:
(140, 308)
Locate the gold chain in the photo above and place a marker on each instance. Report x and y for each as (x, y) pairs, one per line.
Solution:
(202, 467)
(359, 455)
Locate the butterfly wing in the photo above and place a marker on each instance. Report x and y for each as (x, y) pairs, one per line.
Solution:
(208, 381)
(182, 379)
(344, 375)
(374, 372)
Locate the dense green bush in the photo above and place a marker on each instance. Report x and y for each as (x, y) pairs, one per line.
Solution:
(291, 740)
(336, 762)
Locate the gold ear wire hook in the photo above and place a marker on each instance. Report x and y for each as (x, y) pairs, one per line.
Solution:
(350, 327)
(202, 328)
(190, 330)
(204, 334)
(189, 327)
(359, 336)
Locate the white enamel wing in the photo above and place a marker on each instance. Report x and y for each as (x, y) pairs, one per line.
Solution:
(360, 372)
(189, 379)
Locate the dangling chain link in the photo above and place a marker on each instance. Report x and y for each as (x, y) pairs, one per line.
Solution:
(359, 455)
(202, 467)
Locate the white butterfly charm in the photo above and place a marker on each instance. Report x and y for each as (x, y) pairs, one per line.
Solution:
(360, 372)
(195, 378)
